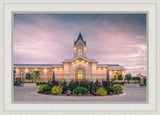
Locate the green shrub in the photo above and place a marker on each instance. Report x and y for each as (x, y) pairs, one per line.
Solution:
(41, 83)
(111, 89)
(81, 90)
(15, 84)
(56, 90)
(112, 79)
(101, 91)
(47, 88)
(119, 88)
(93, 86)
(141, 85)
(121, 83)
(41, 87)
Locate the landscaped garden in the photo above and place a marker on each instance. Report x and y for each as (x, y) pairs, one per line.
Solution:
(80, 88)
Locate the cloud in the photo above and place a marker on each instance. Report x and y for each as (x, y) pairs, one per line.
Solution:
(111, 38)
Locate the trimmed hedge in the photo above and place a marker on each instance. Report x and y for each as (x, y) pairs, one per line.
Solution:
(81, 90)
(41, 83)
(47, 88)
(15, 84)
(120, 83)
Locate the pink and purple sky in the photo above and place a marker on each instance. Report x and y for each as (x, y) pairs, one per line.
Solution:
(111, 39)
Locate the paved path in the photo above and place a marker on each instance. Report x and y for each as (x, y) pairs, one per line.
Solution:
(29, 94)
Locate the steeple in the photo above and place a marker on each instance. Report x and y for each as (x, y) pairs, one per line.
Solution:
(80, 38)
(80, 46)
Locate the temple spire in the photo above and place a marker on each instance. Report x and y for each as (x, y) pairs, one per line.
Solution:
(80, 37)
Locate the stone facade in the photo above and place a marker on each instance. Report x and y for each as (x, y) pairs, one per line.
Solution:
(79, 67)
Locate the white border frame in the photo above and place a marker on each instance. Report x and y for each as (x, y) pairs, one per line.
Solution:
(8, 6)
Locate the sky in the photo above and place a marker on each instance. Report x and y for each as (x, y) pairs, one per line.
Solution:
(111, 39)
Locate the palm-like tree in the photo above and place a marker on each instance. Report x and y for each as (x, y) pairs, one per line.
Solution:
(28, 76)
(36, 74)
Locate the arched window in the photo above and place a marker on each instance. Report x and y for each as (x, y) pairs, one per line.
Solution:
(80, 50)
(80, 74)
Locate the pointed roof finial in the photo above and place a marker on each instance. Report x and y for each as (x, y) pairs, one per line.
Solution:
(80, 30)
(80, 38)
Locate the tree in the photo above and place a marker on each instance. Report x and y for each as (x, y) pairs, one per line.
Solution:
(14, 73)
(128, 77)
(112, 79)
(120, 77)
(53, 77)
(108, 76)
(28, 76)
(36, 75)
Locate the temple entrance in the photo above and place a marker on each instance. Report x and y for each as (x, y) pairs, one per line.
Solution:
(80, 74)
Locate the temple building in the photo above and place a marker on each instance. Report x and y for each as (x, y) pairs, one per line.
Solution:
(79, 67)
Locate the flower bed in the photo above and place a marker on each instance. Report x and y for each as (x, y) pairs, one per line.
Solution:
(80, 88)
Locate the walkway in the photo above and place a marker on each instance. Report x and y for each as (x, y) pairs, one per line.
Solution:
(29, 94)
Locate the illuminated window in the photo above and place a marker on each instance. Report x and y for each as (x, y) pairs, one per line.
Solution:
(80, 74)
(41, 77)
(45, 70)
(80, 50)
(22, 77)
(26, 70)
(17, 70)
(50, 75)
(55, 69)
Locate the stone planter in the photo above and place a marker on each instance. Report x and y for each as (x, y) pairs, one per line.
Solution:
(131, 85)
(28, 84)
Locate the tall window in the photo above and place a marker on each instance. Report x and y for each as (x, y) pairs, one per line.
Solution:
(80, 74)
(22, 77)
(49, 76)
(41, 77)
(80, 50)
